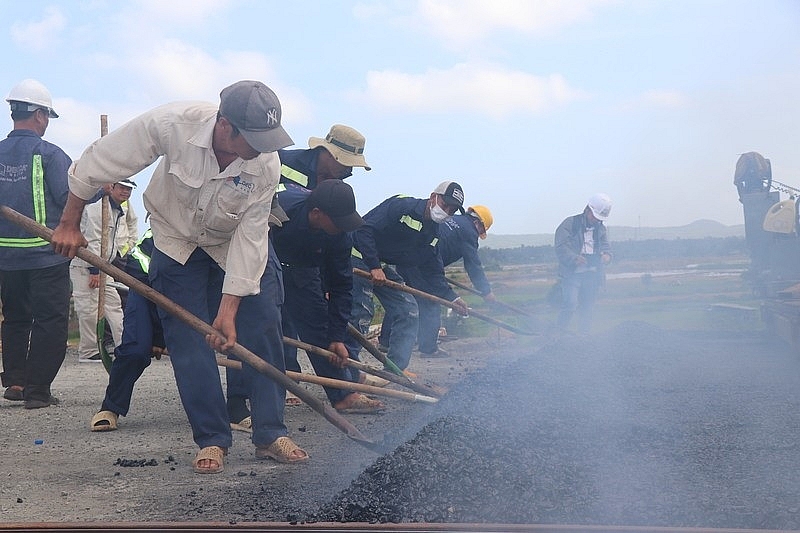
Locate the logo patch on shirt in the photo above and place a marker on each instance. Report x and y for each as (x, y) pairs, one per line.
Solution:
(14, 173)
(241, 185)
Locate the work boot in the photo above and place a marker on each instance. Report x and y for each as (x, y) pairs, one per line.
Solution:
(38, 404)
(14, 393)
(438, 354)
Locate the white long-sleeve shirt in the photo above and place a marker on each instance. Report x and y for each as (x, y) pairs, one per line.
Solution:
(118, 228)
(191, 203)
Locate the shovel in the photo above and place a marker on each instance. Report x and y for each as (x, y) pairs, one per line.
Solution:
(242, 353)
(498, 303)
(399, 379)
(340, 384)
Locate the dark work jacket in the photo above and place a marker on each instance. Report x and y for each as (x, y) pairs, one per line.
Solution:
(458, 239)
(303, 162)
(397, 233)
(568, 243)
(21, 154)
(297, 245)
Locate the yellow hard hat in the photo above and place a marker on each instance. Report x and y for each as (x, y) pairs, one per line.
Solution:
(484, 215)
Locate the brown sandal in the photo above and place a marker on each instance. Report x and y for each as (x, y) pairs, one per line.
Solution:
(213, 454)
(292, 400)
(361, 404)
(104, 421)
(282, 450)
(245, 424)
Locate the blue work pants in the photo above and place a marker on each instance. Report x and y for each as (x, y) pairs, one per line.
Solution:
(197, 286)
(399, 306)
(133, 355)
(579, 293)
(306, 310)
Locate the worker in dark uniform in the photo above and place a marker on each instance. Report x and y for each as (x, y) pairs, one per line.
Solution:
(141, 333)
(34, 281)
(401, 231)
(458, 239)
(330, 158)
(313, 246)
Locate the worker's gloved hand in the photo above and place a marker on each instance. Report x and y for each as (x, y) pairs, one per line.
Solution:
(461, 307)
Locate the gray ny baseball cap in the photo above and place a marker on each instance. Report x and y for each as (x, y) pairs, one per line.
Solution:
(255, 110)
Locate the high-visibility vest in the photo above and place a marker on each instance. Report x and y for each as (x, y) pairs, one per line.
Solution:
(39, 210)
(139, 255)
(290, 174)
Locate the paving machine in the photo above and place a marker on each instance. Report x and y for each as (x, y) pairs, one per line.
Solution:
(771, 231)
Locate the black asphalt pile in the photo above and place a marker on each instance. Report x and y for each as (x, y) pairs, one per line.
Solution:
(639, 426)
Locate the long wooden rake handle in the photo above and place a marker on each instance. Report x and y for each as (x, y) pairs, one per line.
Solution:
(340, 384)
(441, 301)
(498, 303)
(400, 379)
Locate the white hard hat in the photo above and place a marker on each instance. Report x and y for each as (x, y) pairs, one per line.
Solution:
(600, 204)
(33, 95)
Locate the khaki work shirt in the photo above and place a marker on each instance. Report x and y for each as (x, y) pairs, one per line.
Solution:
(191, 203)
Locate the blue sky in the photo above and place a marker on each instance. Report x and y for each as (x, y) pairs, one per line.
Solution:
(531, 105)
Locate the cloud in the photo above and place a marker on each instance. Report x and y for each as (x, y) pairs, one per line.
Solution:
(656, 99)
(462, 21)
(665, 99)
(184, 13)
(180, 71)
(489, 90)
(41, 34)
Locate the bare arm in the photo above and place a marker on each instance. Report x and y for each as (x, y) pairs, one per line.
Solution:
(67, 236)
(225, 323)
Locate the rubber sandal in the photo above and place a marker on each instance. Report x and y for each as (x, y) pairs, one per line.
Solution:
(245, 424)
(104, 421)
(281, 450)
(213, 453)
(292, 400)
(362, 405)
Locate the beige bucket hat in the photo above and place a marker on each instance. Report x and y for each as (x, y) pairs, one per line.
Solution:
(345, 144)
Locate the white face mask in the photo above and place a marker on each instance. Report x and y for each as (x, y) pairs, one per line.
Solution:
(438, 214)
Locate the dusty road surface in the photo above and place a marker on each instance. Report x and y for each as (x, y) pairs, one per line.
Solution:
(636, 426)
(142, 472)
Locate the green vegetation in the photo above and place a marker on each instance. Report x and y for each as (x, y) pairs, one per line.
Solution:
(693, 285)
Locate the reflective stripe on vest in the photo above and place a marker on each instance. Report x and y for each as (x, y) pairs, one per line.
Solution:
(416, 225)
(293, 175)
(356, 253)
(435, 241)
(39, 210)
(142, 258)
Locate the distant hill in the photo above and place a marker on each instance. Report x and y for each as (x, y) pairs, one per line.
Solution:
(695, 230)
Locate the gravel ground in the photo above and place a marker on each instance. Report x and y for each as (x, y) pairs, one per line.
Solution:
(142, 472)
(637, 426)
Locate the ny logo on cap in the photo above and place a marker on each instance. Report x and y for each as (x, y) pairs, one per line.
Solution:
(272, 116)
